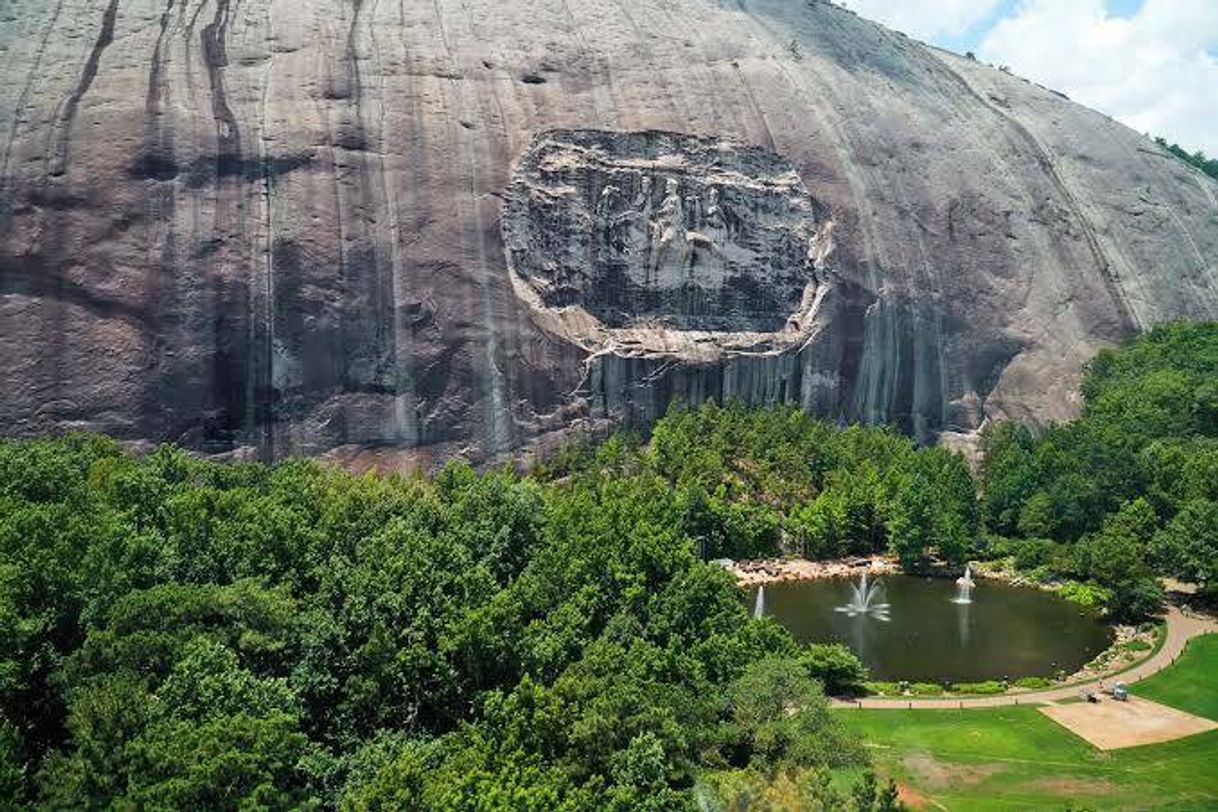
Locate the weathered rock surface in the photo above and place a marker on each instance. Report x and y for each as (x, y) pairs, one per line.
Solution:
(372, 225)
(658, 228)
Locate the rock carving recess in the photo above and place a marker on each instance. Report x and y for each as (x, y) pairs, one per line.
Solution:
(662, 243)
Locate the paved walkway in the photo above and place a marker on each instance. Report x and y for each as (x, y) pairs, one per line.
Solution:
(1181, 627)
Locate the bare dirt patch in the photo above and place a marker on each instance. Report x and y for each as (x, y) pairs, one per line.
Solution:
(912, 798)
(937, 774)
(1110, 725)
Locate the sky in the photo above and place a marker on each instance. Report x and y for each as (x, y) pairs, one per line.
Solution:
(1151, 64)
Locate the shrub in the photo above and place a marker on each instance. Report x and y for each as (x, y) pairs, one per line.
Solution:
(1089, 596)
(884, 688)
(1033, 683)
(926, 689)
(987, 687)
(1033, 553)
(1135, 600)
(991, 547)
(837, 667)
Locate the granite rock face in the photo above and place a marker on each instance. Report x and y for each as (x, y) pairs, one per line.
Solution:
(659, 228)
(367, 226)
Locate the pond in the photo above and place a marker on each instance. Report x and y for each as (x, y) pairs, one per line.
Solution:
(924, 635)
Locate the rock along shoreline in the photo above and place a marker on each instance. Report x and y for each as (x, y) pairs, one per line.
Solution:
(776, 570)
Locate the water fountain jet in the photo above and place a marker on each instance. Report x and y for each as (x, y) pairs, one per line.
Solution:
(866, 601)
(964, 587)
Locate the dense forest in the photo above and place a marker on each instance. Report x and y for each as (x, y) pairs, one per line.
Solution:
(176, 633)
(1130, 490)
(179, 633)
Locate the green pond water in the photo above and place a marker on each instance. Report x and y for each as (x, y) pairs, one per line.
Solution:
(1006, 631)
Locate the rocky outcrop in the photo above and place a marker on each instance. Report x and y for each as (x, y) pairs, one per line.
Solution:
(367, 227)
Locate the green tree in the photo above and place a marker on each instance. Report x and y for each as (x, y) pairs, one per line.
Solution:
(910, 526)
(212, 735)
(1116, 558)
(836, 667)
(1187, 547)
(867, 795)
(784, 720)
(12, 765)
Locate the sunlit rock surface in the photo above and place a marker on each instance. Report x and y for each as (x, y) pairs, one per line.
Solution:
(367, 226)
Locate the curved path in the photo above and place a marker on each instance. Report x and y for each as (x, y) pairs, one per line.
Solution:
(1181, 627)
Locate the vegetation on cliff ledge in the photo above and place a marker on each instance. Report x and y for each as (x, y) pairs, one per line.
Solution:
(1196, 159)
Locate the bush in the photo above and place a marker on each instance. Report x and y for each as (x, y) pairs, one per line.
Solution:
(1033, 683)
(1135, 600)
(1033, 553)
(991, 547)
(1195, 159)
(837, 668)
(884, 688)
(1089, 596)
(980, 688)
(926, 689)
(1041, 575)
(782, 718)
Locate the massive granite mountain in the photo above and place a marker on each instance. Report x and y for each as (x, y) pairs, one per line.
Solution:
(300, 226)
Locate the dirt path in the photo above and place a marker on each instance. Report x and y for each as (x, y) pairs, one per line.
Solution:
(1181, 627)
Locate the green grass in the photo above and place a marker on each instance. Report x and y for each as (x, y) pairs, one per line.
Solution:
(1017, 758)
(1191, 684)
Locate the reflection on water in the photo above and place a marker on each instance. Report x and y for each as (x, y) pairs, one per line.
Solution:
(1005, 631)
(962, 624)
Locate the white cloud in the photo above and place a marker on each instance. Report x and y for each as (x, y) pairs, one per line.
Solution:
(926, 19)
(1155, 71)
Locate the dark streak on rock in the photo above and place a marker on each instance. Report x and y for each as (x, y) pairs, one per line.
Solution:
(34, 277)
(208, 169)
(157, 152)
(215, 57)
(104, 38)
(368, 321)
(164, 396)
(5, 199)
(153, 99)
(208, 248)
(235, 372)
(352, 136)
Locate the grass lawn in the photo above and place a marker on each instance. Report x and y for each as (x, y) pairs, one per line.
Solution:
(1191, 684)
(1016, 758)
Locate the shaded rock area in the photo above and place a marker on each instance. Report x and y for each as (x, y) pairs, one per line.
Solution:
(391, 230)
(662, 230)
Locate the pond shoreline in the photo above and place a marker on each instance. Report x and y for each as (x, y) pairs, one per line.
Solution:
(1177, 629)
(1129, 646)
(778, 570)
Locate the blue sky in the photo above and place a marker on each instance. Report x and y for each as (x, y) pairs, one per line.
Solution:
(1152, 64)
(970, 39)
